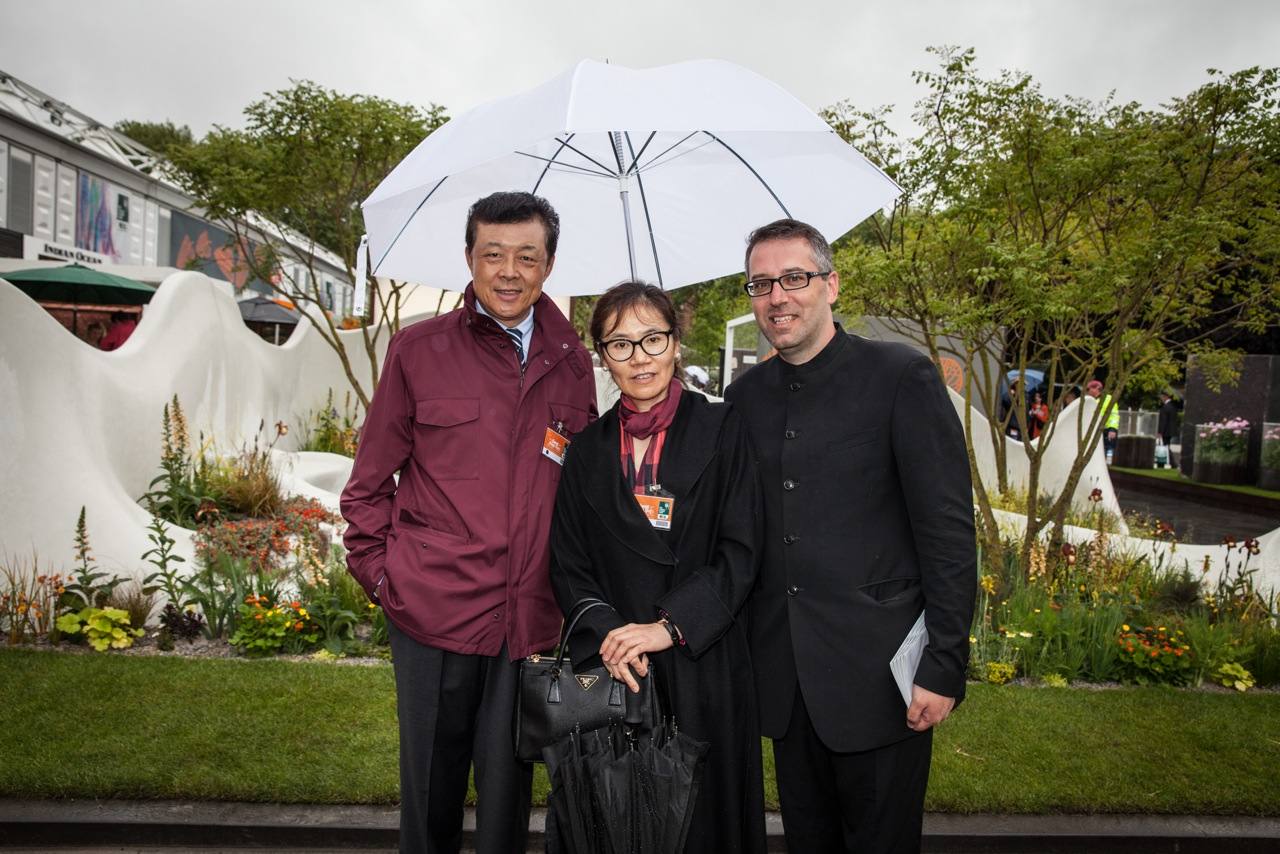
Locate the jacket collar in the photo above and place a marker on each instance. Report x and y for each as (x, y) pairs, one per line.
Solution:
(554, 337)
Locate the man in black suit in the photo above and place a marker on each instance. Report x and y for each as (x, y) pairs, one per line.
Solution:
(868, 520)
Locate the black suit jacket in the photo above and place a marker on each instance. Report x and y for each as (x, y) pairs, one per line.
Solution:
(868, 519)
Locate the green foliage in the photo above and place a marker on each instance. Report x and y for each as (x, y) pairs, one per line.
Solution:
(330, 431)
(101, 628)
(1154, 655)
(90, 586)
(266, 628)
(166, 579)
(218, 588)
(1271, 447)
(1232, 675)
(131, 598)
(305, 160)
(180, 492)
(161, 137)
(1087, 239)
(1223, 442)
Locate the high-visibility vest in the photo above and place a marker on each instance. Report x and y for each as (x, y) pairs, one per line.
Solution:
(1113, 413)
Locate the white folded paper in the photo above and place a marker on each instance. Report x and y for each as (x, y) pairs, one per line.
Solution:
(907, 658)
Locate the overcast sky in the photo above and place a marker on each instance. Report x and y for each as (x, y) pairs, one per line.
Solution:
(200, 63)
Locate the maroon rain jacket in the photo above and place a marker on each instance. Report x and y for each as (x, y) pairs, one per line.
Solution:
(456, 552)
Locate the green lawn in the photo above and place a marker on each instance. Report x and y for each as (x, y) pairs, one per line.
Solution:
(108, 726)
(1174, 474)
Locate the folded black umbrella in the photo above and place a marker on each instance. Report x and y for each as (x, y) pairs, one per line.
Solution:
(615, 792)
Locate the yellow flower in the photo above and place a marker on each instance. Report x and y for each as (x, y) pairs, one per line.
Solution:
(1024, 634)
(1125, 627)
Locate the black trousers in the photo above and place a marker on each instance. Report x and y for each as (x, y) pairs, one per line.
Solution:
(455, 710)
(850, 803)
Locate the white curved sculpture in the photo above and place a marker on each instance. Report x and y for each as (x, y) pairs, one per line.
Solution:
(79, 426)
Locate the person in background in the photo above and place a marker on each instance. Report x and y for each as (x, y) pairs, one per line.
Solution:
(122, 326)
(1110, 415)
(1167, 425)
(1038, 413)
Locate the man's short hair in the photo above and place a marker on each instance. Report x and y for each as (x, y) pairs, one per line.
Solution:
(785, 229)
(506, 208)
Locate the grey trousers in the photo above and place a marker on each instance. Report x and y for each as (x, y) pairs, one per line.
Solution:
(455, 710)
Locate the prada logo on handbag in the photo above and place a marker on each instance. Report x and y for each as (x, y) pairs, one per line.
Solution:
(587, 681)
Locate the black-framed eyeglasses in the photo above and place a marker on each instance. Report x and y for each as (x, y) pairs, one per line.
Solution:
(654, 343)
(789, 282)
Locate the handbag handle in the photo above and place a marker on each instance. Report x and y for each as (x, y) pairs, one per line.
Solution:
(581, 607)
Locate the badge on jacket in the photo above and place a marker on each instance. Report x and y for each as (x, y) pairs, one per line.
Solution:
(554, 443)
(658, 506)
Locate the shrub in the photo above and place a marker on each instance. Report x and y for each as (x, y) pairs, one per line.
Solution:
(267, 628)
(89, 587)
(134, 601)
(29, 601)
(181, 623)
(1232, 675)
(1271, 447)
(1151, 656)
(100, 627)
(165, 579)
(1222, 442)
(330, 431)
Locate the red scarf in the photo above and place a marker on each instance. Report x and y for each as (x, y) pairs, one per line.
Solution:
(641, 425)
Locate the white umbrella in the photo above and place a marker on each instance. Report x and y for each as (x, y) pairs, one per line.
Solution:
(658, 174)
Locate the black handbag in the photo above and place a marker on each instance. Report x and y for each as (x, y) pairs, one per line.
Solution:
(553, 699)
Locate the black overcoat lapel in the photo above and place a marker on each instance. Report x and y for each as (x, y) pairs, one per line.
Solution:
(690, 446)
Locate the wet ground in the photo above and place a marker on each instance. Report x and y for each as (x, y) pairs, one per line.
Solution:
(1194, 522)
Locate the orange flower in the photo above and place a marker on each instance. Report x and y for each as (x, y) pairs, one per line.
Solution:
(258, 617)
(1155, 654)
(297, 627)
(295, 604)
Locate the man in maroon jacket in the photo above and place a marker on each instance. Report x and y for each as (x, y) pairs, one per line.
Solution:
(456, 550)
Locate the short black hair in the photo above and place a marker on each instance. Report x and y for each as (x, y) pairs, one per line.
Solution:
(505, 208)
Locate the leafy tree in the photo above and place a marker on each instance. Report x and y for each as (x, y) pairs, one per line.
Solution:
(1084, 239)
(305, 160)
(160, 137)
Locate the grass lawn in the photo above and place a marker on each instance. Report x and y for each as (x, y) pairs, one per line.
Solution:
(1174, 474)
(108, 726)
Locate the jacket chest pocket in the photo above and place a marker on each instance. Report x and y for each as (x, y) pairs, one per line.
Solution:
(572, 417)
(446, 437)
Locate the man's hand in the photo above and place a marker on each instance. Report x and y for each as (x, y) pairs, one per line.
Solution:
(927, 708)
(624, 649)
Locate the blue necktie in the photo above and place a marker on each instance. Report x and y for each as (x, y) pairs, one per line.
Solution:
(518, 340)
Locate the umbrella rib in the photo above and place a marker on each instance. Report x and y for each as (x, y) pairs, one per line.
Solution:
(644, 203)
(590, 159)
(750, 168)
(659, 156)
(584, 170)
(547, 168)
(406, 224)
(635, 157)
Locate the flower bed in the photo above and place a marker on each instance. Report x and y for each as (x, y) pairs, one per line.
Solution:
(1221, 452)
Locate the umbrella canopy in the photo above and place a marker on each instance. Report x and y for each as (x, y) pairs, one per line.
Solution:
(78, 284)
(267, 310)
(658, 174)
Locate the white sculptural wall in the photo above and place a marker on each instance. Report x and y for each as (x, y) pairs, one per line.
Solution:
(82, 427)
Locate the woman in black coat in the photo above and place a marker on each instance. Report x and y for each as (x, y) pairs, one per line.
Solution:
(677, 580)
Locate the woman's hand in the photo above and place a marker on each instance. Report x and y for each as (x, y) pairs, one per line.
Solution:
(625, 649)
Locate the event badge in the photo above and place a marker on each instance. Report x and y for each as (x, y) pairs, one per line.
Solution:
(554, 443)
(658, 506)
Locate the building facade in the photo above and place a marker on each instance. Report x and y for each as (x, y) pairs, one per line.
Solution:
(72, 189)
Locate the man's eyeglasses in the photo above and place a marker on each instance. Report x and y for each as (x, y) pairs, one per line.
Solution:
(789, 281)
(653, 343)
